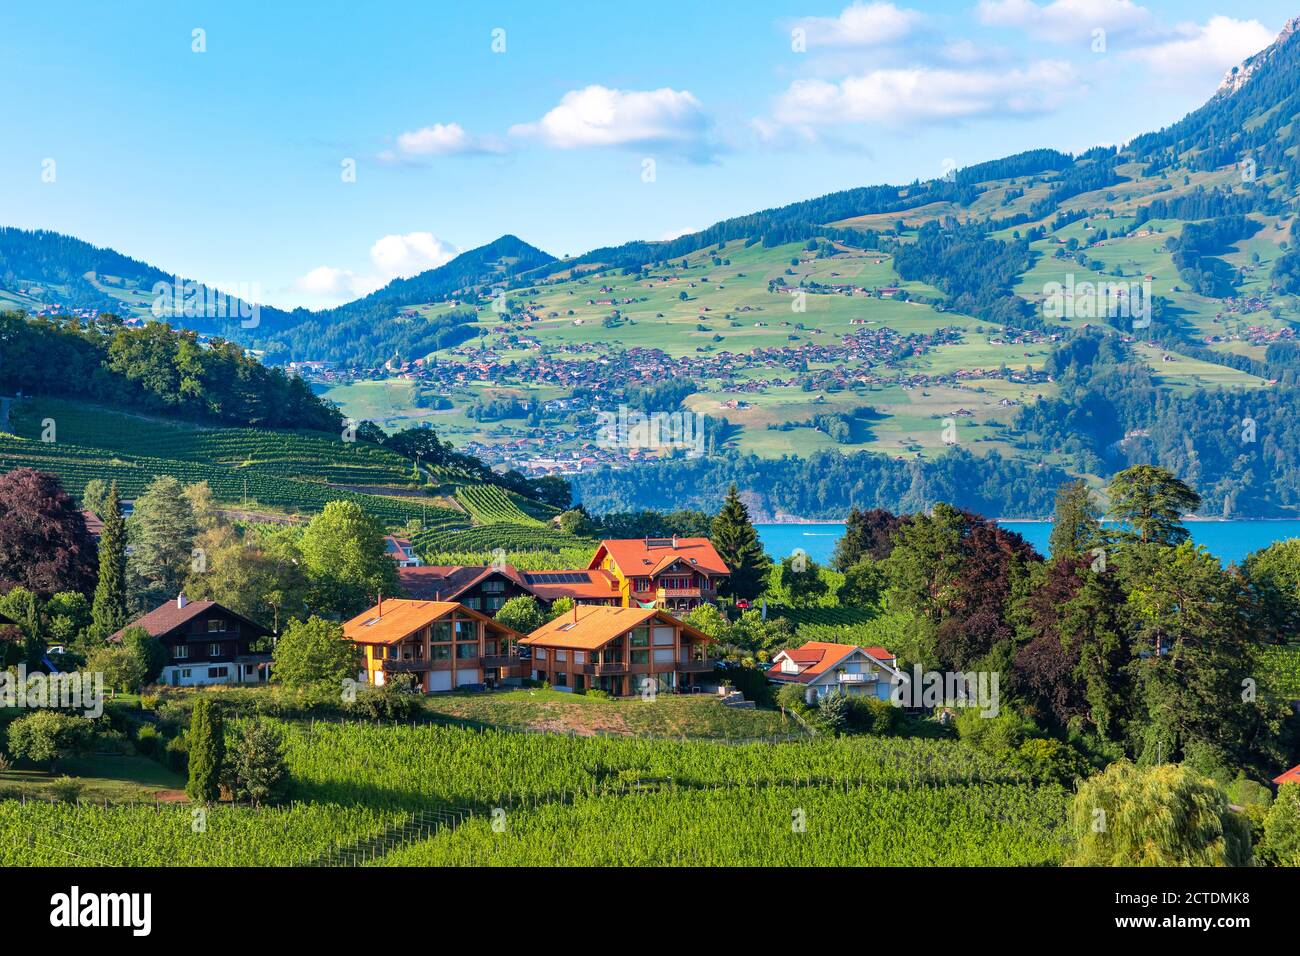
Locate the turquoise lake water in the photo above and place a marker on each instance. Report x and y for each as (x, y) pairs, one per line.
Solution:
(1229, 541)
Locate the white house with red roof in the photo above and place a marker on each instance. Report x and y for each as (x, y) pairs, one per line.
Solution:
(824, 668)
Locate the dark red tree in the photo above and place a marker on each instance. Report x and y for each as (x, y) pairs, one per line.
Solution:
(44, 544)
(976, 619)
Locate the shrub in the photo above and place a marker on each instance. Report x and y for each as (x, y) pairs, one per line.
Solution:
(66, 789)
(257, 771)
(393, 701)
(791, 697)
(871, 715)
(149, 741)
(177, 754)
(47, 736)
(833, 712)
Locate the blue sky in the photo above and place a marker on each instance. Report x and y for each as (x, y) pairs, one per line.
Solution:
(227, 165)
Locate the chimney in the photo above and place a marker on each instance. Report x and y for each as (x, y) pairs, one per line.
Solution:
(674, 540)
(575, 612)
(181, 601)
(381, 603)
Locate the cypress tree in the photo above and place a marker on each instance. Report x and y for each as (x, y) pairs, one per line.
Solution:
(737, 543)
(207, 752)
(108, 615)
(1075, 527)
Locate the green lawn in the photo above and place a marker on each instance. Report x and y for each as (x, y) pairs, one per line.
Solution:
(668, 715)
(117, 779)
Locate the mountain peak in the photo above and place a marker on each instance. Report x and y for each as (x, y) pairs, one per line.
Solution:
(1240, 75)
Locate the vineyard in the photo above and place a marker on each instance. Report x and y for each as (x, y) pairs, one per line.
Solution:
(76, 465)
(556, 800)
(310, 456)
(488, 504)
(63, 834)
(1007, 825)
(485, 538)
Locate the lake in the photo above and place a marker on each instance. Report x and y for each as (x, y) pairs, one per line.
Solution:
(1229, 541)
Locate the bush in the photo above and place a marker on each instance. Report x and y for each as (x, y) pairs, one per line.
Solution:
(176, 754)
(393, 701)
(149, 741)
(66, 789)
(257, 771)
(1046, 759)
(833, 712)
(791, 697)
(871, 715)
(47, 736)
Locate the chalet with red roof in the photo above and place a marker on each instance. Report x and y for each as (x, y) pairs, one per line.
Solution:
(206, 644)
(823, 668)
(676, 574)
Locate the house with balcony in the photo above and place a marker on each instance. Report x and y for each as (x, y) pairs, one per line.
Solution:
(823, 668)
(676, 574)
(486, 588)
(206, 644)
(622, 651)
(441, 645)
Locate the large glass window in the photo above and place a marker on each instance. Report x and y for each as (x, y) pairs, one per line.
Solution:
(640, 637)
(440, 652)
(561, 655)
(640, 657)
(441, 632)
(467, 630)
(465, 652)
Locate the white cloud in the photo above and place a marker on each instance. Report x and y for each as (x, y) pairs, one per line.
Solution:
(921, 95)
(326, 282)
(862, 24)
(599, 116)
(402, 256)
(672, 234)
(441, 139)
(391, 257)
(1204, 52)
(1065, 20)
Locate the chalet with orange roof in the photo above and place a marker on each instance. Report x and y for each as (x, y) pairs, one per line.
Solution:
(824, 668)
(442, 644)
(1291, 776)
(676, 574)
(622, 651)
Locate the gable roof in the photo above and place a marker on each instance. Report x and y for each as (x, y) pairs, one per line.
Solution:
(1290, 776)
(596, 626)
(646, 557)
(449, 582)
(167, 617)
(817, 658)
(400, 619)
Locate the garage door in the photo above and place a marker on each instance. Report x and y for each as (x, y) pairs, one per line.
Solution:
(468, 675)
(440, 680)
